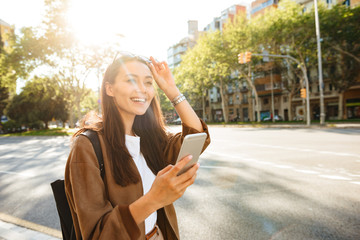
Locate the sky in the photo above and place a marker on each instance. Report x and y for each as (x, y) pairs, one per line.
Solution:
(147, 27)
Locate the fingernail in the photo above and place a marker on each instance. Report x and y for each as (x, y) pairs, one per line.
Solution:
(190, 157)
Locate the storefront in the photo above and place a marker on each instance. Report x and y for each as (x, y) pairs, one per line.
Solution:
(353, 108)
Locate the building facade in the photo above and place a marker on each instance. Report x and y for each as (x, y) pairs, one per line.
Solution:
(275, 99)
(5, 29)
(175, 52)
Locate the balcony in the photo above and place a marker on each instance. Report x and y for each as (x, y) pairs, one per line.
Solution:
(244, 89)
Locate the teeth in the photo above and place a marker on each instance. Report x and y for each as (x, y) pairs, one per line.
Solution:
(138, 99)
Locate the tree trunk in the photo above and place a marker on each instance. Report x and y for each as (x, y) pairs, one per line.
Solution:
(341, 106)
(290, 106)
(223, 101)
(210, 109)
(71, 117)
(78, 108)
(203, 106)
(257, 106)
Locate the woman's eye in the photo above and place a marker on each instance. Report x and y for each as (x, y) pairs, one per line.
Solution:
(131, 80)
(148, 83)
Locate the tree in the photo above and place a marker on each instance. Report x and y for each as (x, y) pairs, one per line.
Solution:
(39, 100)
(341, 34)
(207, 64)
(72, 62)
(240, 36)
(193, 75)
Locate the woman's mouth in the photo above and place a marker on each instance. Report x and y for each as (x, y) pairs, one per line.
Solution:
(142, 100)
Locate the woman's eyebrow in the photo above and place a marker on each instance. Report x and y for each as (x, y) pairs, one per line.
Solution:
(136, 76)
(131, 75)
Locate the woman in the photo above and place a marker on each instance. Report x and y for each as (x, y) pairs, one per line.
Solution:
(134, 200)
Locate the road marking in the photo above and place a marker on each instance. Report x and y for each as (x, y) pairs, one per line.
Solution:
(335, 177)
(17, 173)
(283, 166)
(294, 149)
(220, 167)
(352, 175)
(306, 171)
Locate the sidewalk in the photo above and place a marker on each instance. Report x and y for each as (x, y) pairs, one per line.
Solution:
(9, 231)
(289, 125)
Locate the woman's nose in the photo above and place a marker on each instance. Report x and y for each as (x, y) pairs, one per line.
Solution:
(141, 87)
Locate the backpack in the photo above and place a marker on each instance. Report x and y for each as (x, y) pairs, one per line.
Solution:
(58, 188)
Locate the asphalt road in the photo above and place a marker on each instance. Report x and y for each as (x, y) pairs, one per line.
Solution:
(252, 184)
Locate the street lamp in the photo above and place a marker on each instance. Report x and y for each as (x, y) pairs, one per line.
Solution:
(321, 84)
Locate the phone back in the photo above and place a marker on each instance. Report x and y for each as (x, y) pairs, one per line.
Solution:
(192, 145)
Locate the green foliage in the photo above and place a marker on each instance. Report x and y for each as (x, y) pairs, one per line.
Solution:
(11, 126)
(4, 95)
(43, 132)
(90, 103)
(39, 100)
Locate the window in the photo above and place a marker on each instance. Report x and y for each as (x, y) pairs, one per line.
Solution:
(237, 97)
(230, 100)
(230, 89)
(330, 87)
(346, 3)
(266, 101)
(237, 84)
(245, 98)
(285, 99)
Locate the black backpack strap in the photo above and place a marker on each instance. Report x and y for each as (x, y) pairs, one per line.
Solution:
(94, 139)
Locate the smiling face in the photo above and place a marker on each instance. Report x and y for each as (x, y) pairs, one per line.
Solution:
(133, 89)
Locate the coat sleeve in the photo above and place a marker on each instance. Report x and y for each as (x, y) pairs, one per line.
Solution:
(94, 215)
(173, 147)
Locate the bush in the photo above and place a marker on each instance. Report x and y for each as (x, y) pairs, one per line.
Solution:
(37, 125)
(11, 126)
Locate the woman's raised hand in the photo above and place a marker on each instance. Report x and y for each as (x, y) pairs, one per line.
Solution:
(164, 78)
(168, 186)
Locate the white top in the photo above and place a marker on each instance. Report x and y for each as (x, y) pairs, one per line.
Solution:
(147, 176)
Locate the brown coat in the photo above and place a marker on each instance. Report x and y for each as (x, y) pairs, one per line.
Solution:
(100, 208)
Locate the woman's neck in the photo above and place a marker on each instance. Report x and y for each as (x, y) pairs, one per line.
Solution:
(128, 122)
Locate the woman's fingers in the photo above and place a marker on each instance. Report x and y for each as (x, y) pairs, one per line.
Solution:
(164, 170)
(190, 173)
(155, 64)
(179, 165)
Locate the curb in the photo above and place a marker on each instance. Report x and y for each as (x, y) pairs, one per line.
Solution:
(314, 126)
(30, 225)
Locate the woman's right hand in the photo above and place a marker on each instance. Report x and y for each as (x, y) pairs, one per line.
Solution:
(168, 186)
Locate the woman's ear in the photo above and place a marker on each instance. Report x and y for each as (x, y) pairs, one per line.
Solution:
(109, 89)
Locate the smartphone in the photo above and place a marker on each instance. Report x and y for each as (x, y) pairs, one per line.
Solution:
(192, 145)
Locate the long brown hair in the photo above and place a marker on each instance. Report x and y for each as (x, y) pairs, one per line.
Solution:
(150, 127)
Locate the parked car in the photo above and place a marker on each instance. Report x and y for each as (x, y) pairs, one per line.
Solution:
(176, 121)
(277, 118)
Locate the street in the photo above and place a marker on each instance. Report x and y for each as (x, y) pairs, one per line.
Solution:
(253, 183)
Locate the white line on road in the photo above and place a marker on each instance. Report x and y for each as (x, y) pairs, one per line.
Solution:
(252, 160)
(17, 173)
(335, 177)
(306, 171)
(294, 149)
